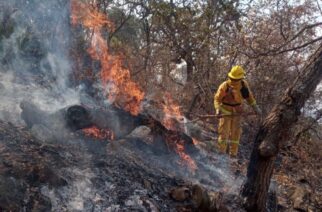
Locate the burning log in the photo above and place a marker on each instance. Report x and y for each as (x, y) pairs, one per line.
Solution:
(120, 122)
(77, 117)
(115, 124)
(74, 117)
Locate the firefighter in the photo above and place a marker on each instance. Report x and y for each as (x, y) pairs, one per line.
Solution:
(228, 102)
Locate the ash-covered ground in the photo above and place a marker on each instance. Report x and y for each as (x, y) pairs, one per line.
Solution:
(82, 174)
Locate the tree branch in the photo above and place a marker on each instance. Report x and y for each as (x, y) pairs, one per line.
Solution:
(121, 24)
(317, 2)
(274, 53)
(279, 50)
(301, 46)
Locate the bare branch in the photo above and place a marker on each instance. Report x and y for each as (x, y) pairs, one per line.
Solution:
(299, 47)
(279, 50)
(299, 33)
(274, 53)
(317, 2)
(121, 25)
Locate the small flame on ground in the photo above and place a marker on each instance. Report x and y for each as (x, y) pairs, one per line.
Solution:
(99, 133)
(195, 141)
(172, 113)
(177, 144)
(185, 158)
(115, 77)
(173, 116)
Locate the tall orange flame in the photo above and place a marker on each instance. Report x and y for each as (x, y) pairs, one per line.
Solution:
(115, 77)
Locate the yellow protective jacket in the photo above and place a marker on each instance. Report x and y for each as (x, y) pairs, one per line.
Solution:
(228, 97)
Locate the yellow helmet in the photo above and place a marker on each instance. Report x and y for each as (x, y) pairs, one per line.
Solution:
(237, 72)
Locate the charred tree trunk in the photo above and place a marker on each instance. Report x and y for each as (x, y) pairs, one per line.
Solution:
(273, 134)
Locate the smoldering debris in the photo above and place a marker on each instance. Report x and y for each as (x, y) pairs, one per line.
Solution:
(130, 173)
(70, 178)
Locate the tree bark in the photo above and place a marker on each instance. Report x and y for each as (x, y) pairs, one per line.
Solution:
(273, 134)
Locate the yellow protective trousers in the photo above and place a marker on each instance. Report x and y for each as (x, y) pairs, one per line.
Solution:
(229, 131)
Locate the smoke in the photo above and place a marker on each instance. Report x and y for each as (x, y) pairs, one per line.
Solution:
(35, 66)
(313, 107)
(34, 56)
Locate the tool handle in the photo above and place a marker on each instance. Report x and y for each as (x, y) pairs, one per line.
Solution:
(226, 115)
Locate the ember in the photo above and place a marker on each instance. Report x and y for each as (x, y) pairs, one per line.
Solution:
(99, 133)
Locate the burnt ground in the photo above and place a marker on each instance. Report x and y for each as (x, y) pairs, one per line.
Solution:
(297, 178)
(83, 174)
(69, 176)
(299, 175)
(78, 173)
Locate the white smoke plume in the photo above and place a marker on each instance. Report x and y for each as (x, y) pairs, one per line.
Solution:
(34, 61)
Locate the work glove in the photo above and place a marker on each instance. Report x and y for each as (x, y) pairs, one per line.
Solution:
(257, 110)
(222, 111)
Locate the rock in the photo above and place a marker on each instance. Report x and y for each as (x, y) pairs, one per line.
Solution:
(147, 184)
(298, 198)
(198, 195)
(207, 201)
(180, 194)
(140, 132)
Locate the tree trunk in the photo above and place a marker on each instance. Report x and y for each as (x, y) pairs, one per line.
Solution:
(273, 134)
(190, 65)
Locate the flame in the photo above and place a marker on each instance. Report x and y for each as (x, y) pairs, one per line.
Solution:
(88, 16)
(99, 133)
(116, 79)
(172, 117)
(185, 158)
(177, 144)
(195, 141)
(172, 112)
